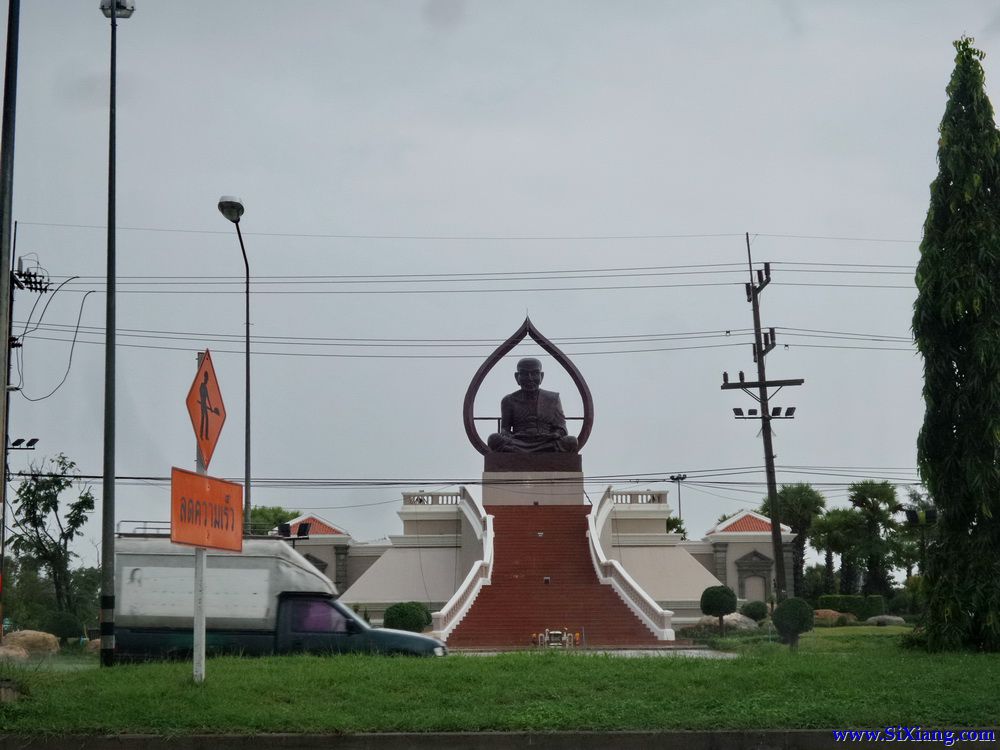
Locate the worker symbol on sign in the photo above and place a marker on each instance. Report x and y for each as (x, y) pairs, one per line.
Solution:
(204, 403)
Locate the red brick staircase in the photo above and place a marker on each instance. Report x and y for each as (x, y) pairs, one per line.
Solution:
(532, 543)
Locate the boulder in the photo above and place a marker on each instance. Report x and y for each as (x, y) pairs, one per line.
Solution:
(32, 641)
(882, 620)
(734, 621)
(12, 654)
(93, 645)
(832, 615)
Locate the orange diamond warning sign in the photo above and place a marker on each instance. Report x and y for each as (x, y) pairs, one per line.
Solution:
(204, 403)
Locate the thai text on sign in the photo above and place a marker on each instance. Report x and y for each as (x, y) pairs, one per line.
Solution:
(205, 512)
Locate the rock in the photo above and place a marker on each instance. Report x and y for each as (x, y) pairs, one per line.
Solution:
(734, 621)
(831, 616)
(13, 654)
(93, 645)
(882, 620)
(32, 641)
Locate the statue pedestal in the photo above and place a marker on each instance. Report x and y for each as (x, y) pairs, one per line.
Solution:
(533, 488)
(533, 479)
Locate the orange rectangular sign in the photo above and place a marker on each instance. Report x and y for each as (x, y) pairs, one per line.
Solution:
(205, 512)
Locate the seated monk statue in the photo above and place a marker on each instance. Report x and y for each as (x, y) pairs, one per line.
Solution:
(531, 420)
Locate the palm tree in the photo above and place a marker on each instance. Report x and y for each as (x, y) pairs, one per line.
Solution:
(839, 531)
(676, 526)
(876, 501)
(798, 506)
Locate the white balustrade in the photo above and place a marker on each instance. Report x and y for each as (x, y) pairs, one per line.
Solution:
(480, 574)
(612, 572)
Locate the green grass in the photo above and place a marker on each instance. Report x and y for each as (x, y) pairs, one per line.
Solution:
(850, 677)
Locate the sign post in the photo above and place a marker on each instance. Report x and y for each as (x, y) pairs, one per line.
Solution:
(204, 512)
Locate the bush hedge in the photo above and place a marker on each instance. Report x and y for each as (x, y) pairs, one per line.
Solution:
(755, 611)
(412, 616)
(861, 607)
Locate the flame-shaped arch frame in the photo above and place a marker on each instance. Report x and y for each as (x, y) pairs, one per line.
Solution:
(527, 329)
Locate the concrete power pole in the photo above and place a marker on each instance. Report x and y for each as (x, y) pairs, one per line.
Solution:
(764, 342)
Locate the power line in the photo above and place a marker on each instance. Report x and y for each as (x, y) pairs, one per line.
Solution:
(340, 355)
(478, 237)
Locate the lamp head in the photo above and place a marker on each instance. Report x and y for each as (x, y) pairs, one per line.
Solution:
(231, 207)
(123, 8)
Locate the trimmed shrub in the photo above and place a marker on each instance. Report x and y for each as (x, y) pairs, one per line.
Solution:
(718, 601)
(830, 601)
(861, 607)
(901, 603)
(791, 618)
(855, 604)
(755, 611)
(874, 606)
(412, 616)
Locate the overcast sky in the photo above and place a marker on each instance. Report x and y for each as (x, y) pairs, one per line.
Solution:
(391, 154)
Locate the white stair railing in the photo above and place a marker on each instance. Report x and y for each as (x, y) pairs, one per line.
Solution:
(445, 620)
(611, 572)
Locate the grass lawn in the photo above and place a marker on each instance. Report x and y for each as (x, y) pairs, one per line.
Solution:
(840, 677)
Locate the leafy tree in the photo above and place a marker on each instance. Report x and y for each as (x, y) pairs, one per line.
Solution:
(876, 502)
(956, 318)
(27, 595)
(44, 529)
(676, 526)
(263, 518)
(718, 601)
(800, 504)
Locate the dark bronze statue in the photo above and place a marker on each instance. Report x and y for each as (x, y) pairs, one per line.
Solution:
(532, 419)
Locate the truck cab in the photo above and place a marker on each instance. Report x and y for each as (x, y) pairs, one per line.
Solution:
(318, 623)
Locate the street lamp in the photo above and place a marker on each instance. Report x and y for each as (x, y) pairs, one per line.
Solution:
(232, 208)
(113, 9)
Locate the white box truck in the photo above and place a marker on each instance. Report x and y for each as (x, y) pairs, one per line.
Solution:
(267, 599)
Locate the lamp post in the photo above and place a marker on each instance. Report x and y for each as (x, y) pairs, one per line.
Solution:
(232, 208)
(113, 9)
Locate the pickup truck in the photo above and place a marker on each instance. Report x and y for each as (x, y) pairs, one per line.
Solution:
(267, 599)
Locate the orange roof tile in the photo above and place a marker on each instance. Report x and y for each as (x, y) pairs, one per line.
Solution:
(747, 523)
(318, 528)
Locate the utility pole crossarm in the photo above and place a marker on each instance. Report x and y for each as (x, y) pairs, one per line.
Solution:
(764, 384)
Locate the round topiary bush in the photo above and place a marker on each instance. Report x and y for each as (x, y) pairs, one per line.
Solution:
(791, 618)
(755, 611)
(718, 601)
(412, 616)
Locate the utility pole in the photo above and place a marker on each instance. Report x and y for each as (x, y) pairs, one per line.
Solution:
(677, 479)
(764, 342)
(33, 282)
(6, 204)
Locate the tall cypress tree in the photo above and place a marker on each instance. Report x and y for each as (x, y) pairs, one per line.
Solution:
(956, 324)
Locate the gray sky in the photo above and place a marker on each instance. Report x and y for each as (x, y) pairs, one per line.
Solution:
(380, 138)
